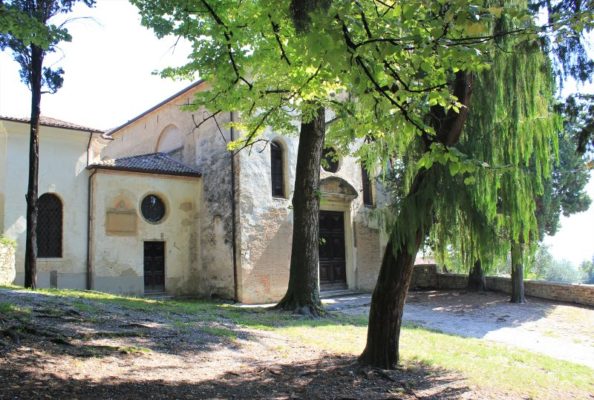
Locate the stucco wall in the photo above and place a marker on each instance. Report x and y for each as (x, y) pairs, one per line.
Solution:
(427, 277)
(204, 149)
(266, 224)
(7, 271)
(62, 162)
(118, 254)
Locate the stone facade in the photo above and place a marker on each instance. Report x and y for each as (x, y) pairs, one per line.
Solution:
(426, 277)
(225, 234)
(7, 270)
(246, 232)
(204, 148)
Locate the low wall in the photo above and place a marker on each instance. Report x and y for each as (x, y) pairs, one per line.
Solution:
(7, 270)
(425, 276)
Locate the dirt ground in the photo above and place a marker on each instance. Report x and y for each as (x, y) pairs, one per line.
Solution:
(559, 330)
(63, 352)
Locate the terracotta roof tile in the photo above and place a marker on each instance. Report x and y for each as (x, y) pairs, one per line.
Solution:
(48, 121)
(156, 163)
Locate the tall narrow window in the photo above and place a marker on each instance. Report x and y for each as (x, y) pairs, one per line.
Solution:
(276, 170)
(367, 193)
(49, 226)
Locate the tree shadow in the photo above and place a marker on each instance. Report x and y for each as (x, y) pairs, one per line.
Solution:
(472, 314)
(331, 377)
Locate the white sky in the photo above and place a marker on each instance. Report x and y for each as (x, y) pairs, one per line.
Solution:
(108, 80)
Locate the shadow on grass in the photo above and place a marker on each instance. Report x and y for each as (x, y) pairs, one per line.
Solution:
(93, 324)
(332, 377)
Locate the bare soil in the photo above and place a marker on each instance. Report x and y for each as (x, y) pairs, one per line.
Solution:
(560, 330)
(79, 349)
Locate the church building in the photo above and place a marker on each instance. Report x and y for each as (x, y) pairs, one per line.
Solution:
(159, 205)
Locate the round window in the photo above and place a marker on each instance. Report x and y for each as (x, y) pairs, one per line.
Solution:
(329, 160)
(153, 208)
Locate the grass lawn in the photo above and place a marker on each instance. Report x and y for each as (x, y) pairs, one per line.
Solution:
(483, 364)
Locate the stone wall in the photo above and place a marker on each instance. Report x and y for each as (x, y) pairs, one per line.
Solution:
(7, 271)
(426, 277)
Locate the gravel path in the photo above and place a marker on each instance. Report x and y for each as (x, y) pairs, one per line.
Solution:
(558, 330)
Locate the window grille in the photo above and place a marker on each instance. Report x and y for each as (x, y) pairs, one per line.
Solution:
(49, 226)
(276, 170)
(367, 188)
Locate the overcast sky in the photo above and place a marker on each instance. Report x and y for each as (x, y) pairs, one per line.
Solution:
(108, 81)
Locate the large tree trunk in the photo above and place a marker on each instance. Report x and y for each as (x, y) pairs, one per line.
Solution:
(303, 295)
(415, 217)
(389, 295)
(31, 197)
(476, 278)
(517, 273)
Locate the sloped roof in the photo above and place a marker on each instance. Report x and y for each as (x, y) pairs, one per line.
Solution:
(185, 90)
(53, 122)
(155, 163)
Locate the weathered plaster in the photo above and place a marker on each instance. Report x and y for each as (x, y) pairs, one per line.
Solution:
(117, 260)
(7, 270)
(266, 222)
(204, 148)
(62, 161)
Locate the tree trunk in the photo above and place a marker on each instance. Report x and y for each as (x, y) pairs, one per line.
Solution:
(303, 295)
(387, 301)
(517, 273)
(476, 278)
(31, 197)
(389, 295)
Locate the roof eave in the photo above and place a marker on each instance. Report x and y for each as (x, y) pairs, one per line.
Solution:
(144, 171)
(110, 132)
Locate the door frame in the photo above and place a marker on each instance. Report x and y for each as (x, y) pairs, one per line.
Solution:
(349, 249)
(164, 263)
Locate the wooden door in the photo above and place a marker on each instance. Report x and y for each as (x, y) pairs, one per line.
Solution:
(332, 250)
(154, 266)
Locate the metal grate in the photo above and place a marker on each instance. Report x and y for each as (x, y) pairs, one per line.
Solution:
(276, 170)
(49, 226)
(367, 193)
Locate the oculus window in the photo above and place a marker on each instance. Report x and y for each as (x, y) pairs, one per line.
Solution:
(329, 159)
(152, 208)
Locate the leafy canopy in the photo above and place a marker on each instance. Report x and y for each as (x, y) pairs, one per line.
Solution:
(25, 24)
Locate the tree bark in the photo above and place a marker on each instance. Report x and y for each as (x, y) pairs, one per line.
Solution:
(389, 295)
(37, 55)
(303, 295)
(476, 278)
(517, 273)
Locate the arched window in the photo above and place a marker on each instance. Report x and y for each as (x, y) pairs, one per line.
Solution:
(367, 187)
(277, 170)
(49, 226)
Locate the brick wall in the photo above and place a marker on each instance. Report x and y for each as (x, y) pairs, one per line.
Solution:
(7, 271)
(425, 276)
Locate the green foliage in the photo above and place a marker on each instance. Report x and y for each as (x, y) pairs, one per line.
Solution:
(587, 271)
(567, 27)
(382, 70)
(565, 192)
(578, 111)
(7, 241)
(512, 130)
(547, 268)
(25, 24)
